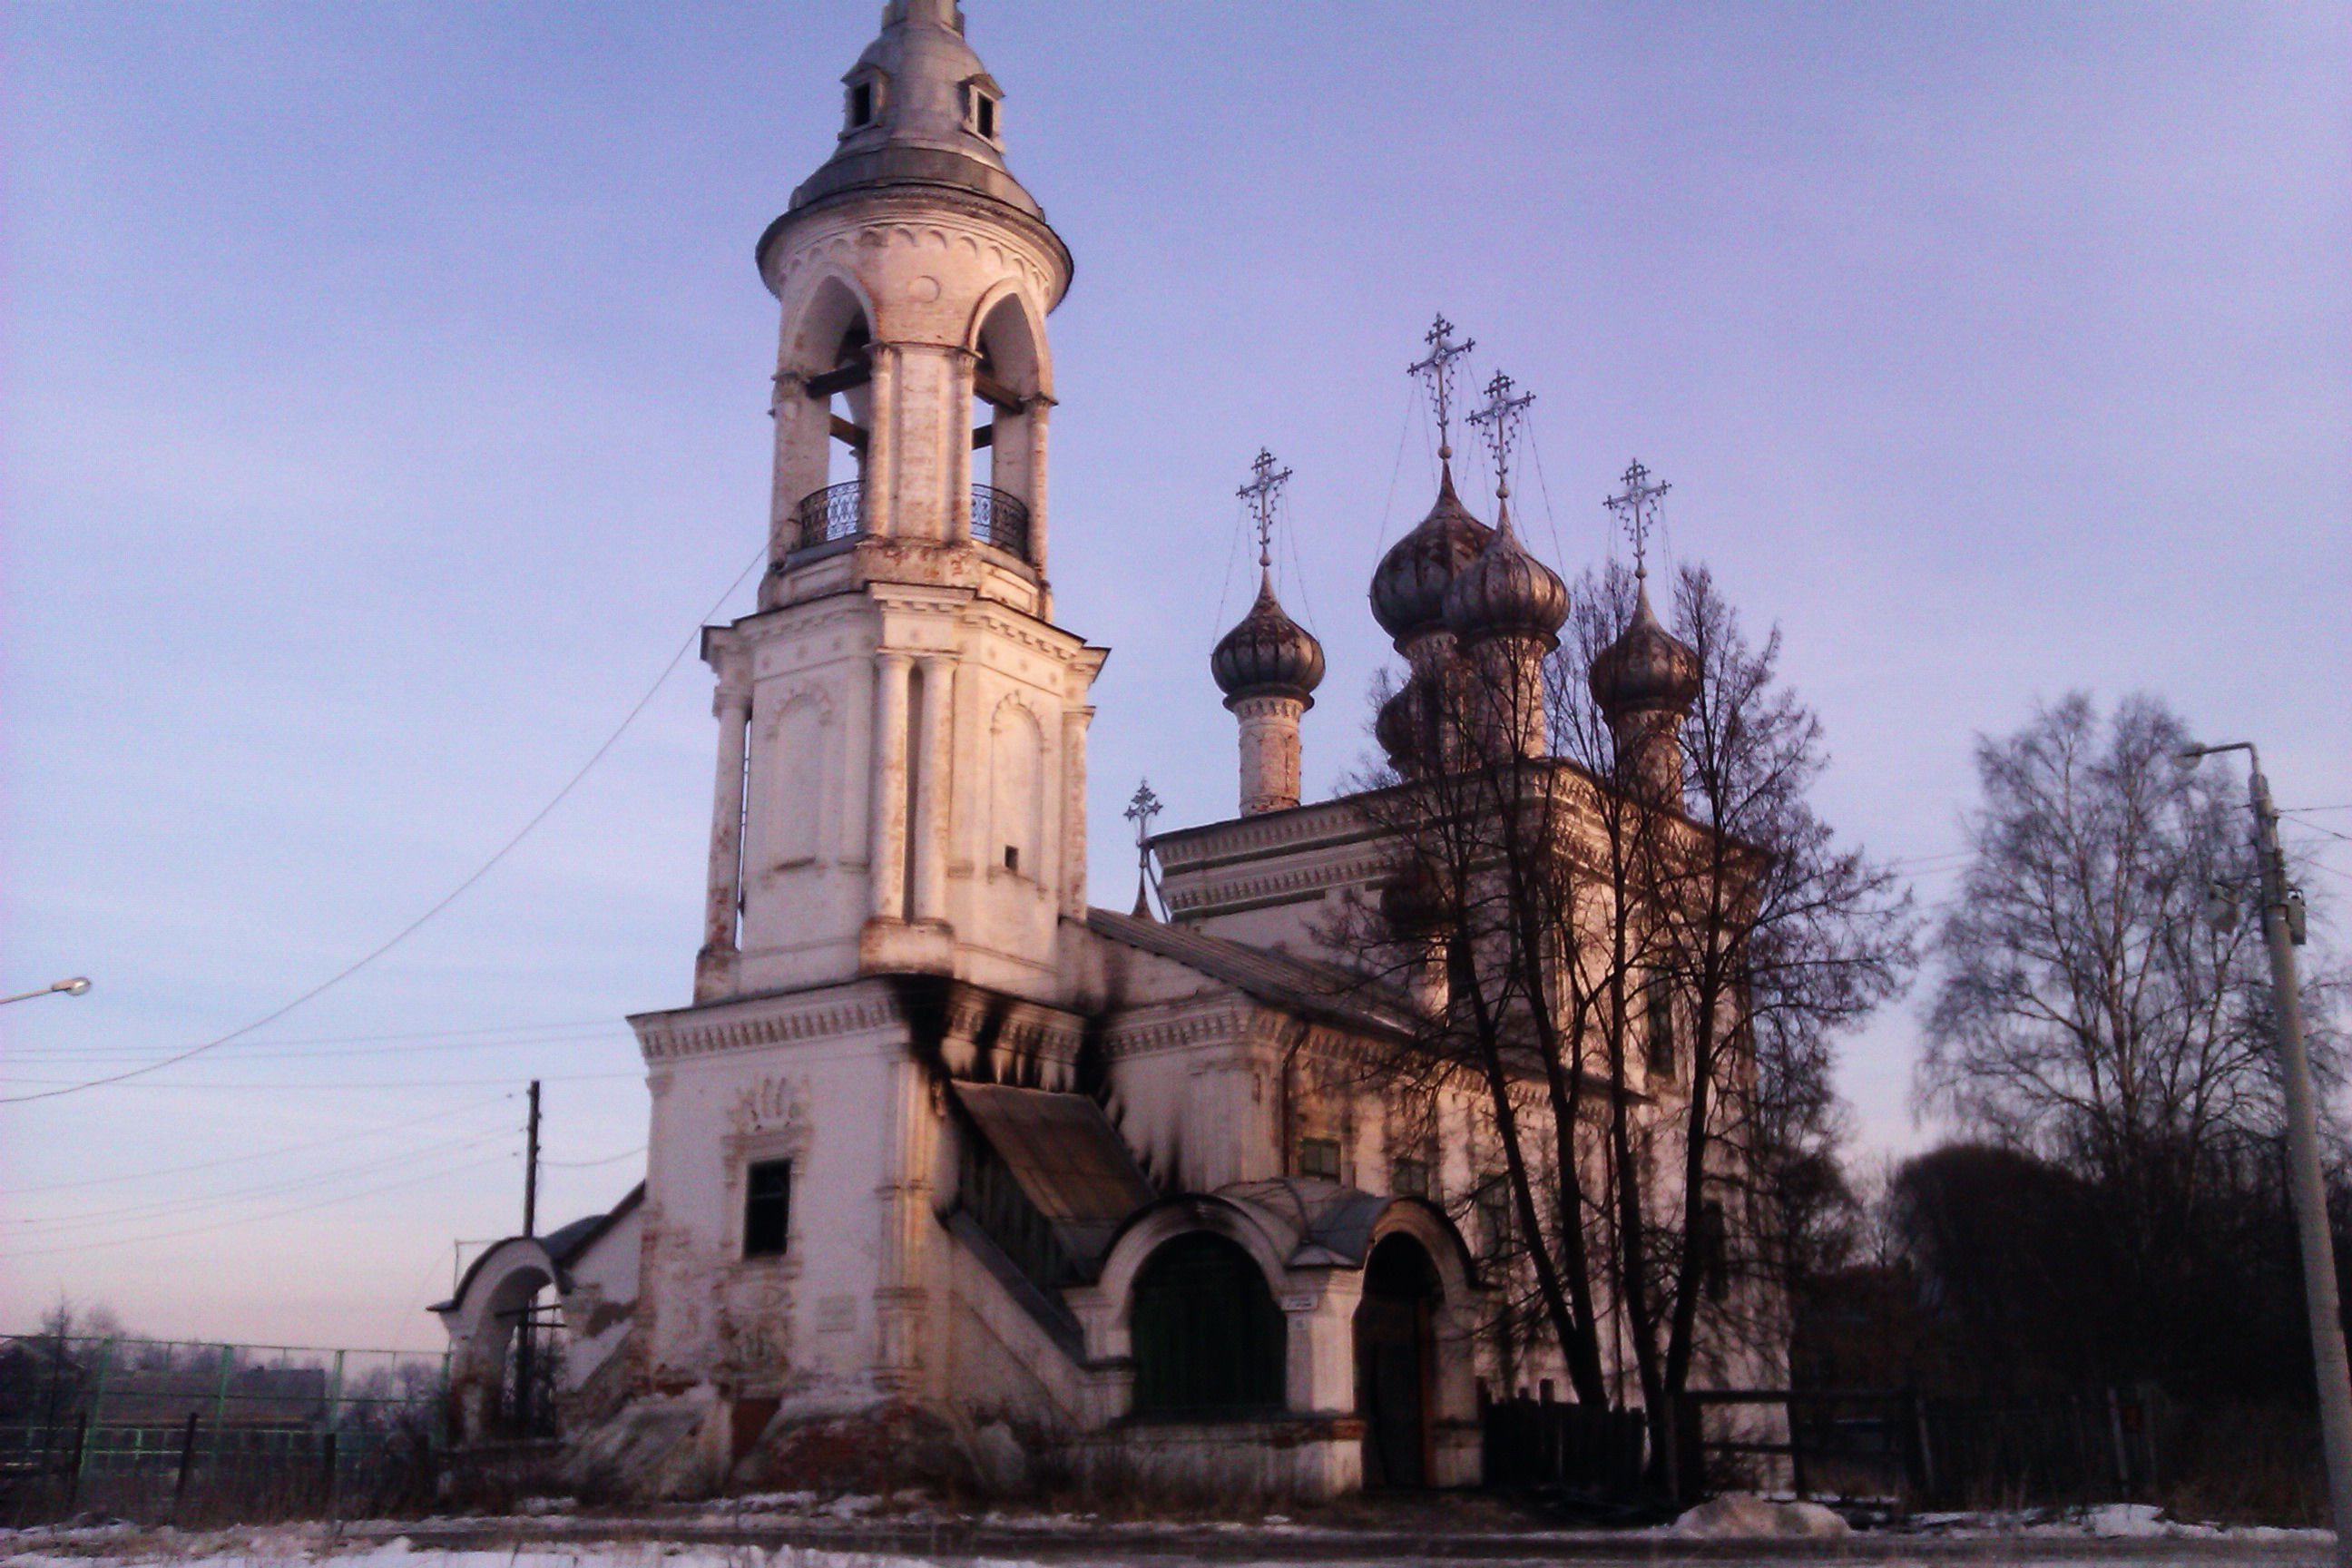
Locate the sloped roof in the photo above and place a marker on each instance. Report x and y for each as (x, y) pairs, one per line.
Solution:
(1315, 990)
(1070, 1161)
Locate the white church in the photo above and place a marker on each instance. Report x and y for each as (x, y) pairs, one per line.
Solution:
(937, 1138)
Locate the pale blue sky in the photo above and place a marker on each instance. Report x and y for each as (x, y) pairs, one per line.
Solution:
(385, 402)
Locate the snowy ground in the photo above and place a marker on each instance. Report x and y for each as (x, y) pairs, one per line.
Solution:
(791, 1532)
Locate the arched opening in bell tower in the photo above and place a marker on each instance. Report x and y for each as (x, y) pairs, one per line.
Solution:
(824, 417)
(1008, 404)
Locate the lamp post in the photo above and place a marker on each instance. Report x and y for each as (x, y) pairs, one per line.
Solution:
(2282, 922)
(73, 986)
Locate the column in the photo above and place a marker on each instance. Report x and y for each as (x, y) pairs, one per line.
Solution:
(886, 818)
(878, 492)
(935, 728)
(1038, 404)
(1074, 811)
(957, 440)
(900, 1300)
(714, 966)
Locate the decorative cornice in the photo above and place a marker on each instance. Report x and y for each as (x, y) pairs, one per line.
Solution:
(741, 1023)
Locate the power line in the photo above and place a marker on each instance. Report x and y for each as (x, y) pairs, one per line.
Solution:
(606, 1036)
(247, 1159)
(296, 1083)
(196, 1203)
(254, 1220)
(585, 1165)
(452, 897)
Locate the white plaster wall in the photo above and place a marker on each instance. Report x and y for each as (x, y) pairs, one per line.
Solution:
(598, 1309)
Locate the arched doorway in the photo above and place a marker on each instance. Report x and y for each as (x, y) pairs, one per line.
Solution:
(1208, 1338)
(1396, 1363)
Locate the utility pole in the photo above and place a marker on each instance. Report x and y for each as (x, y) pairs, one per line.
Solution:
(530, 1168)
(2280, 934)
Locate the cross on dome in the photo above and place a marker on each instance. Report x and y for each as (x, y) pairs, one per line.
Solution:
(1141, 810)
(1437, 370)
(1500, 419)
(1264, 485)
(1637, 509)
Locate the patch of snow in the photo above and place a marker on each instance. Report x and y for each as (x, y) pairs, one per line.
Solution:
(1735, 1516)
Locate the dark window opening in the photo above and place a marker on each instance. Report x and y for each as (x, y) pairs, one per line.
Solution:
(767, 1208)
(1410, 1179)
(861, 105)
(1208, 1338)
(1013, 856)
(1461, 978)
(1319, 1157)
(1659, 1043)
(986, 115)
(1495, 1216)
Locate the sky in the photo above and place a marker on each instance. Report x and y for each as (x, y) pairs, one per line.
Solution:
(385, 408)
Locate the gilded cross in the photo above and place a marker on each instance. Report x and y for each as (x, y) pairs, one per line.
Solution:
(1500, 419)
(1264, 485)
(1437, 370)
(1637, 509)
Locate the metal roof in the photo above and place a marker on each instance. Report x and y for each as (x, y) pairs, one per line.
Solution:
(1321, 991)
(1070, 1161)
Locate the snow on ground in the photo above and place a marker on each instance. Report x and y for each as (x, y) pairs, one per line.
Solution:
(287, 1546)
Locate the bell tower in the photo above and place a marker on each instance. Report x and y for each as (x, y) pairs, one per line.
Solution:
(901, 760)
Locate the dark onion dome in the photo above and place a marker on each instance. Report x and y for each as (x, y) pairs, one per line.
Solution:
(1409, 587)
(1268, 655)
(1405, 725)
(1506, 591)
(1647, 668)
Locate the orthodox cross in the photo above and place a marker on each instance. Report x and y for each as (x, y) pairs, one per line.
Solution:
(1260, 493)
(1500, 419)
(1141, 810)
(1437, 370)
(1637, 509)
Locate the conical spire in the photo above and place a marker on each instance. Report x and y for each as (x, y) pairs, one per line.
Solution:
(921, 109)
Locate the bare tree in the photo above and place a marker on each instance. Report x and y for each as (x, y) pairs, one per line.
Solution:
(1640, 954)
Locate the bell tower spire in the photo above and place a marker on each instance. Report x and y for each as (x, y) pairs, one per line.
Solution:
(903, 726)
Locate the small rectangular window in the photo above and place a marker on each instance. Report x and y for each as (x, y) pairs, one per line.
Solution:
(861, 105)
(1013, 856)
(767, 1208)
(1319, 1157)
(987, 116)
(1410, 1179)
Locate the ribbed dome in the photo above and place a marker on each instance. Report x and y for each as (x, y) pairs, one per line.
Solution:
(1647, 667)
(1268, 655)
(1505, 592)
(1409, 587)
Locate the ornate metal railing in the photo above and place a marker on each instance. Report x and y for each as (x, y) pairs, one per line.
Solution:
(831, 513)
(1001, 519)
(838, 511)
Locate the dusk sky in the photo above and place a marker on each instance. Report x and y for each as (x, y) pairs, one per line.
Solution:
(385, 396)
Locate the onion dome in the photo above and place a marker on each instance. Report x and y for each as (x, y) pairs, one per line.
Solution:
(1409, 902)
(1405, 726)
(1505, 592)
(1268, 655)
(1409, 587)
(1647, 668)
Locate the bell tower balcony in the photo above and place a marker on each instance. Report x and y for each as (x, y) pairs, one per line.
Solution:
(1000, 518)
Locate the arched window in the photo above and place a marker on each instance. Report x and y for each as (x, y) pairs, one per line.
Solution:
(1208, 1338)
(1018, 794)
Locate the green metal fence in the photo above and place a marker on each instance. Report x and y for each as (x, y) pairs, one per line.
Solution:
(158, 1428)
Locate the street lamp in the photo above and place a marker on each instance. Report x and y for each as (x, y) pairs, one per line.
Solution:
(2282, 933)
(73, 986)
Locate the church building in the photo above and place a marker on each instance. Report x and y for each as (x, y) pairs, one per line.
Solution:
(938, 1133)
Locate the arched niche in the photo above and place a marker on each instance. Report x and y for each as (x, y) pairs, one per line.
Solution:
(1396, 1360)
(506, 1345)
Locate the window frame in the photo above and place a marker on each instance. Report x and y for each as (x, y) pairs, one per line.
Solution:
(753, 1251)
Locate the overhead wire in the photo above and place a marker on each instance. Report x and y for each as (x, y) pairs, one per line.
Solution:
(484, 869)
(588, 1165)
(276, 1153)
(197, 1202)
(12, 1255)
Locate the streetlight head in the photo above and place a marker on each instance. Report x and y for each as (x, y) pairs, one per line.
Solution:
(2187, 760)
(74, 986)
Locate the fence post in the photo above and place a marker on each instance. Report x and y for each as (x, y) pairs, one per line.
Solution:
(97, 1407)
(187, 1461)
(1796, 1447)
(220, 1410)
(1923, 1448)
